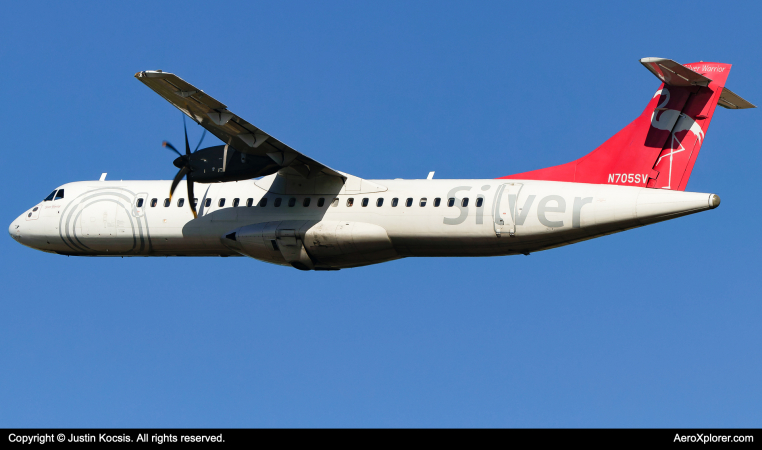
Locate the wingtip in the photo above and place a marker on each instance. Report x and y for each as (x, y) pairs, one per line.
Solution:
(151, 74)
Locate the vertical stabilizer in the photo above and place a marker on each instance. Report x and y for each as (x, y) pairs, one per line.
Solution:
(659, 148)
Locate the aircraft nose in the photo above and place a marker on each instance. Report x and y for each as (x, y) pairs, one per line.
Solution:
(15, 229)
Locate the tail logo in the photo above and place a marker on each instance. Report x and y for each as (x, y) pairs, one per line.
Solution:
(673, 120)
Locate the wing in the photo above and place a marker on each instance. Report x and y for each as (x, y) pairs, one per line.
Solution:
(228, 127)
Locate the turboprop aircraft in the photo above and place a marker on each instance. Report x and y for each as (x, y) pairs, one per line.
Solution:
(256, 196)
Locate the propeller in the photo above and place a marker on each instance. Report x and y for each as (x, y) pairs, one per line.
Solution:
(184, 163)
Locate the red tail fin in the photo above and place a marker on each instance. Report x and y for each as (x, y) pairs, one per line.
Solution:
(659, 148)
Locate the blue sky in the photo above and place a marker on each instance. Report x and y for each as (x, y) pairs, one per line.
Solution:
(653, 327)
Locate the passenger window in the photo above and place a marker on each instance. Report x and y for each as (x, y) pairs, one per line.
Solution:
(479, 202)
(335, 202)
(291, 202)
(235, 202)
(450, 202)
(154, 201)
(208, 202)
(321, 202)
(180, 202)
(409, 202)
(394, 202)
(139, 203)
(50, 197)
(437, 201)
(263, 202)
(306, 202)
(380, 202)
(59, 194)
(166, 202)
(249, 202)
(350, 201)
(464, 202)
(195, 202)
(423, 202)
(277, 202)
(221, 203)
(365, 202)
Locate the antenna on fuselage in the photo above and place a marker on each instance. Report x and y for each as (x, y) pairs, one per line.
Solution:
(103, 177)
(431, 176)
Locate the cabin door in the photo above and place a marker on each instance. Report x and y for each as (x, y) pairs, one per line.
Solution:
(506, 201)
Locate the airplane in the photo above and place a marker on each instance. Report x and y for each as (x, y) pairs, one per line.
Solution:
(260, 198)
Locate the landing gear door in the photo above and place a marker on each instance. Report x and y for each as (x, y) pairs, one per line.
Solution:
(506, 202)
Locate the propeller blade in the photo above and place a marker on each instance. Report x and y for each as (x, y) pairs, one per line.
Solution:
(184, 171)
(191, 197)
(187, 145)
(203, 135)
(171, 147)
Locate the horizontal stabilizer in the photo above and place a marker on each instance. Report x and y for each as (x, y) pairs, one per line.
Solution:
(731, 100)
(674, 73)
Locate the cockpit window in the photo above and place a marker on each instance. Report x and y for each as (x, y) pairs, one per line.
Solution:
(50, 197)
(59, 194)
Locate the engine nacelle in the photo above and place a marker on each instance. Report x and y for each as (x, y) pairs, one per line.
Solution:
(312, 245)
(219, 164)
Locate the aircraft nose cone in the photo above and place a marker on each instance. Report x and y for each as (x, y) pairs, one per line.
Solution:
(15, 229)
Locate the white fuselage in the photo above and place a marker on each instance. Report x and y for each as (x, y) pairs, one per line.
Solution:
(444, 218)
